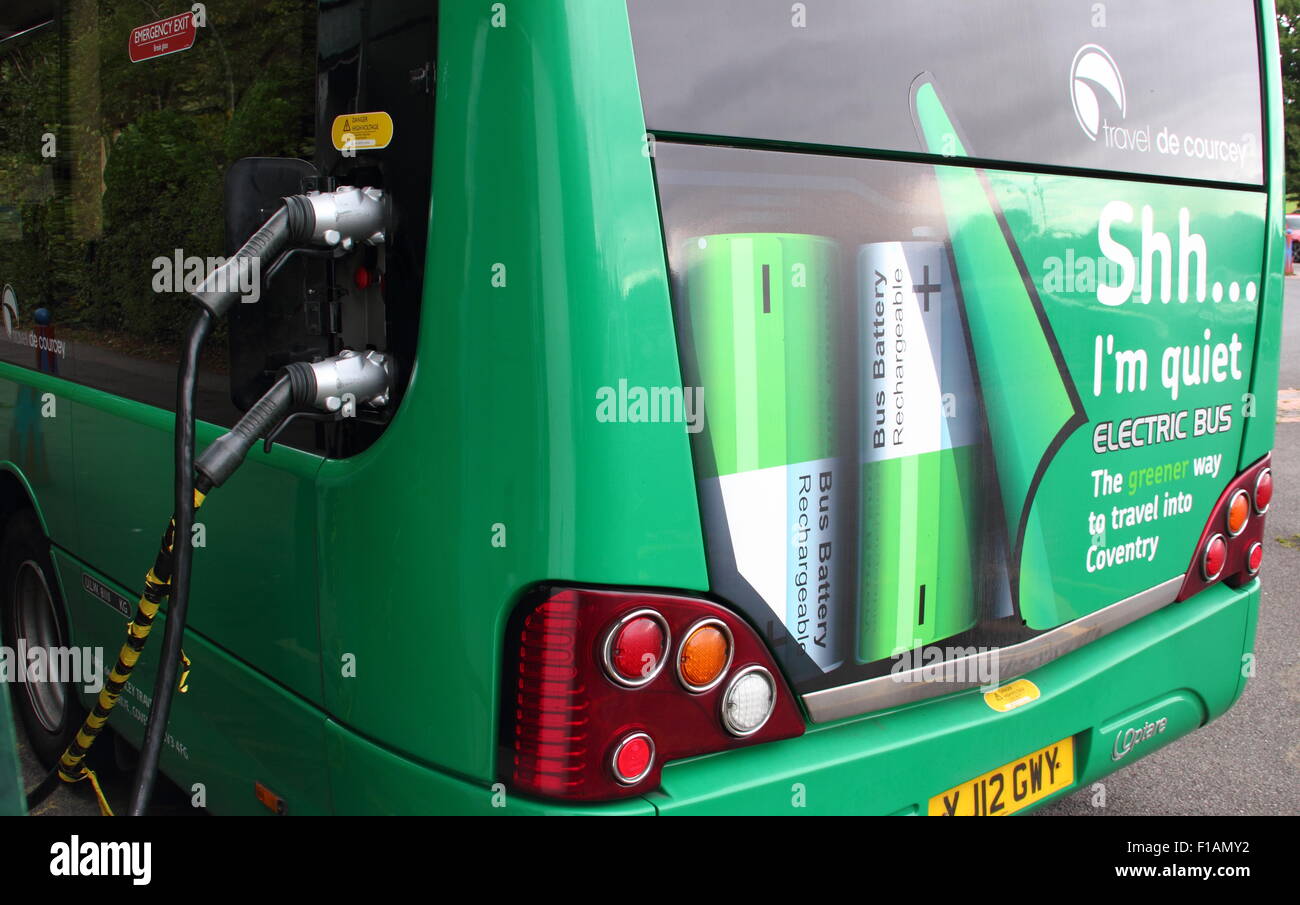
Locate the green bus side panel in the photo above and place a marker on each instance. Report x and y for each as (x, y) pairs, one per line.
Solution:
(545, 288)
(253, 589)
(1182, 663)
(1260, 429)
(368, 779)
(12, 793)
(234, 727)
(37, 430)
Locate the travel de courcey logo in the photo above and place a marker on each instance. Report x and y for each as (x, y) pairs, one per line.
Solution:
(1094, 80)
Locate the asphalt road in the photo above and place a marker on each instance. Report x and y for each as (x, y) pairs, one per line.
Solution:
(1246, 762)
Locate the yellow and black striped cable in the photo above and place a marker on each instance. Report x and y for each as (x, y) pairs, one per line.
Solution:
(157, 586)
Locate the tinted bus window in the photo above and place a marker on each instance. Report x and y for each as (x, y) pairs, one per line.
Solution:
(111, 182)
(1140, 86)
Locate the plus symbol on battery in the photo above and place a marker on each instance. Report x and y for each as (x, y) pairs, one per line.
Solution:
(926, 287)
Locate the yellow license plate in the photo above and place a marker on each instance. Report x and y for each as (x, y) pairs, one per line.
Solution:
(1012, 787)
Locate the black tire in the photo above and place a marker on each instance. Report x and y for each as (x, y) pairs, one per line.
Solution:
(50, 712)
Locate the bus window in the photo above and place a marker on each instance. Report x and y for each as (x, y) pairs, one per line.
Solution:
(1036, 83)
(120, 213)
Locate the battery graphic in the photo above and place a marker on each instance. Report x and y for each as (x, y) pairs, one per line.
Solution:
(763, 311)
(919, 452)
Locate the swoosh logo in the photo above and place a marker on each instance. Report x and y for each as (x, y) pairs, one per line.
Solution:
(1092, 74)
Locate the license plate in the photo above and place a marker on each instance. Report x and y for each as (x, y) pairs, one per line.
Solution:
(1011, 787)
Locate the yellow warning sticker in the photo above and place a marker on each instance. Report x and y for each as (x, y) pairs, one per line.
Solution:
(1009, 697)
(362, 131)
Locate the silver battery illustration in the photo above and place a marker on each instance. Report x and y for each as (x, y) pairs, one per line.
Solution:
(919, 454)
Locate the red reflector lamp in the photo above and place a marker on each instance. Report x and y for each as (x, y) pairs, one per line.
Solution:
(590, 714)
(633, 758)
(1255, 557)
(1216, 556)
(1263, 490)
(635, 648)
(1230, 548)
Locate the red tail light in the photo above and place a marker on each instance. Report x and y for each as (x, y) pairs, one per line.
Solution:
(636, 648)
(1263, 490)
(1254, 557)
(1214, 558)
(1231, 546)
(589, 712)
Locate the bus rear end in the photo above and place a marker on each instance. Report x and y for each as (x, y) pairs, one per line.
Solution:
(837, 407)
(976, 309)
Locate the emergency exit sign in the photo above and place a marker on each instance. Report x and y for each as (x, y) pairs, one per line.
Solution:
(157, 39)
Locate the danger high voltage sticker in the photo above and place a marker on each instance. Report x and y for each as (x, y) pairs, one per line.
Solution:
(362, 131)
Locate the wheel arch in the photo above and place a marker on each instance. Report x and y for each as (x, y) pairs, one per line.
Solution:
(16, 494)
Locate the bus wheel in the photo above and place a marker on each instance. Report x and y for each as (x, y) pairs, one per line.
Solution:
(33, 614)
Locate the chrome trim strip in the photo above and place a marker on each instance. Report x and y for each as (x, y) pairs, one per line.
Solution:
(893, 690)
(26, 31)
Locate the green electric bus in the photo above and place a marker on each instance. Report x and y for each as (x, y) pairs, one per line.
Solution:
(787, 407)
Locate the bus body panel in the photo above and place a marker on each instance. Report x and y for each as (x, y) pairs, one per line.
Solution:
(38, 449)
(547, 292)
(369, 779)
(1261, 429)
(253, 589)
(1183, 664)
(12, 790)
(250, 544)
(357, 607)
(234, 726)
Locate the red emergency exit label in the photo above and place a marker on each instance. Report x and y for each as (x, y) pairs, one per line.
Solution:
(157, 39)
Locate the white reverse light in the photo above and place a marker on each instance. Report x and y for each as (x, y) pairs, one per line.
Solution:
(748, 701)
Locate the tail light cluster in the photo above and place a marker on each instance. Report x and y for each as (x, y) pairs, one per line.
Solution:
(1231, 547)
(604, 687)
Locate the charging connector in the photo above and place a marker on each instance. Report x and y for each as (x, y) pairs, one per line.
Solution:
(335, 220)
(335, 385)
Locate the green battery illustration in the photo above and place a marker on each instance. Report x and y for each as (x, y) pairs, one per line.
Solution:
(763, 316)
(919, 452)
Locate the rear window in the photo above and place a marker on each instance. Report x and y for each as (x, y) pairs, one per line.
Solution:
(1139, 86)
